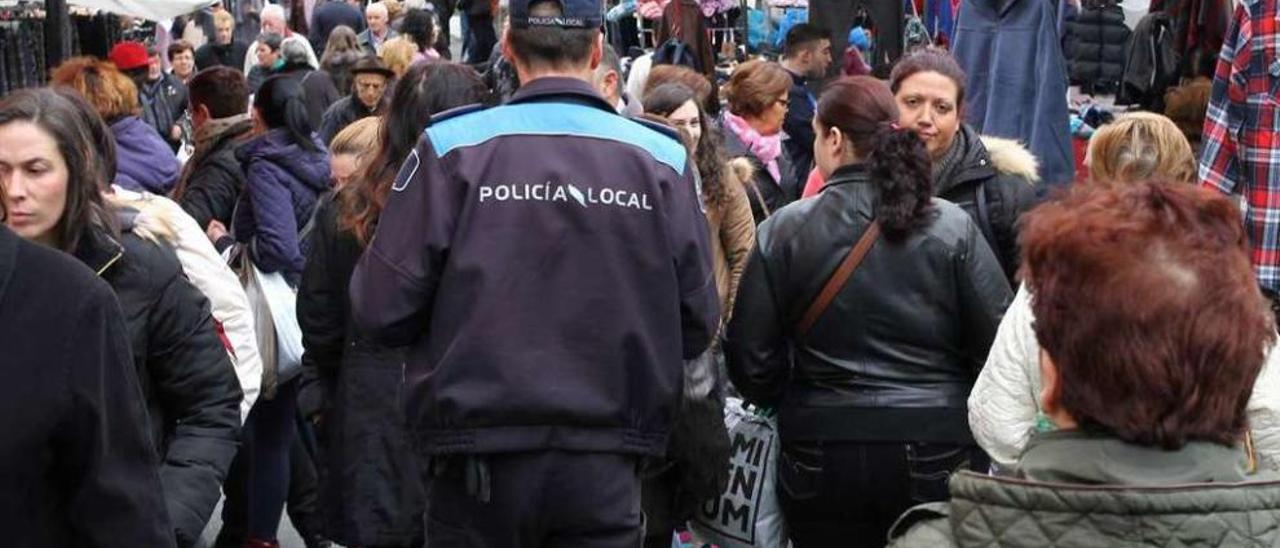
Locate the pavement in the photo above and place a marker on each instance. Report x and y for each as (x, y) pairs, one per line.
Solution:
(288, 536)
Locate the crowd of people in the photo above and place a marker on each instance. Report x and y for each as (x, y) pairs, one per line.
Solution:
(419, 302)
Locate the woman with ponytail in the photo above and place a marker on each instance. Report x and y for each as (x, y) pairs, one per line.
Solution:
(286, 171)
(870, 381)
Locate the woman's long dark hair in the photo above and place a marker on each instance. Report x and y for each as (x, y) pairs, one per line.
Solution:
(709, 152)
(420, 26)
(279, 103)
(341, 52)
(88, 151)
(425, 90)
(864, 110)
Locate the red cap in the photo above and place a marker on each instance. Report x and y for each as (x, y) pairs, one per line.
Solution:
(128, 55)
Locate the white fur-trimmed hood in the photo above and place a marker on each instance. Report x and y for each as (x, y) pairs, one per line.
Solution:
(152, 221)
(1009, 157)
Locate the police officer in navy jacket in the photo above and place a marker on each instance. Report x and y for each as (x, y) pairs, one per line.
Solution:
(548, 263)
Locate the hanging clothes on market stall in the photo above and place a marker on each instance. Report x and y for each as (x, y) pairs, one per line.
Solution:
(95, 33)
(1094, 45)
(22, 60)
(939, 16)
(884, 19)
(1200, 27)
(1017, 79)
(1151, 63)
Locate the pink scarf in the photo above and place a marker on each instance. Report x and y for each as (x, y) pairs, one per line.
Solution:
(766, 148)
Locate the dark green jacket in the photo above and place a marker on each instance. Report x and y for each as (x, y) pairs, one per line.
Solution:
(1081, 490)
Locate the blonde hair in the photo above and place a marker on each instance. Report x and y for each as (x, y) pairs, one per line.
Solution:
(1140, 146)
(394, 9)
(397, 54)
(101, 84)
(357, 139)
(223, 16)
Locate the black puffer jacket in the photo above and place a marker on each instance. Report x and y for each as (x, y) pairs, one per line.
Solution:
(994, 182)
(192, 393)
(896, 353)
(1094, 46)
(165, 104)
(319, 93)
(370, 488)
(775, 194)
(76, 462)
(213, 181)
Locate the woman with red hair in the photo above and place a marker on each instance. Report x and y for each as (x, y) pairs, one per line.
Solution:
(1153, 334)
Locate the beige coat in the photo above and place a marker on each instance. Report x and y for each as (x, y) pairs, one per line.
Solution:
(733, 234)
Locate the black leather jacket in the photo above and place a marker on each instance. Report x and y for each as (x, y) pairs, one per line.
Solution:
(895, 355)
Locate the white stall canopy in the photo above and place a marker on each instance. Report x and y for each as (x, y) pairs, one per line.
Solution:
(151, 10)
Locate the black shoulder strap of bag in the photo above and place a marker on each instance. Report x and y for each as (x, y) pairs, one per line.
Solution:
(984, 215)
(838, 279)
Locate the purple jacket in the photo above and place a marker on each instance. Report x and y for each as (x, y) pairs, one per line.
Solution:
(282, 185)
(144, 161)
(548, 260)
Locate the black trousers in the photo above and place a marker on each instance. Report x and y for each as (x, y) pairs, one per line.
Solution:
(543, 499)
(850, 494)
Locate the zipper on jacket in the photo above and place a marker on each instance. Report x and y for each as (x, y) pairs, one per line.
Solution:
(109, 263)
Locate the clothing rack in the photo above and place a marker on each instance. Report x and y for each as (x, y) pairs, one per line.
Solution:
(22, 46)
(729, 26)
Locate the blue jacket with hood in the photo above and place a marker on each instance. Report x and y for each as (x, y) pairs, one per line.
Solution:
(283, 182)
(144, 161)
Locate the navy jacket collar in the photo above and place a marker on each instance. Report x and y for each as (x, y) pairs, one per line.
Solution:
(561, 88)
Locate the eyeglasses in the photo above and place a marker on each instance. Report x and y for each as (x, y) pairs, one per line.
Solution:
(371, 86)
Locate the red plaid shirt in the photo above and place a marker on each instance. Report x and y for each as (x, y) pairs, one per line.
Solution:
(1242, 130)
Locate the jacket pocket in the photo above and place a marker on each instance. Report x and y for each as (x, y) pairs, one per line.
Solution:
(800, 472)
(930, 466)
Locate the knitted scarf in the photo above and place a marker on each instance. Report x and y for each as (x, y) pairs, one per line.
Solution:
(766, 148)
(944, 166)
(206, 137)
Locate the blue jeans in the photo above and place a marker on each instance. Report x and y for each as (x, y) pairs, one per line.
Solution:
(258, 485)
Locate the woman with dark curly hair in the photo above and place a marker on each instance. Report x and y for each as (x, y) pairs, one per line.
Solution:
(723, 179)
(870, 390)
(419, 27)
(669, 497)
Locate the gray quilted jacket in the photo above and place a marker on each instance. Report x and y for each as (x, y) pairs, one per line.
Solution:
(1087, 504)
